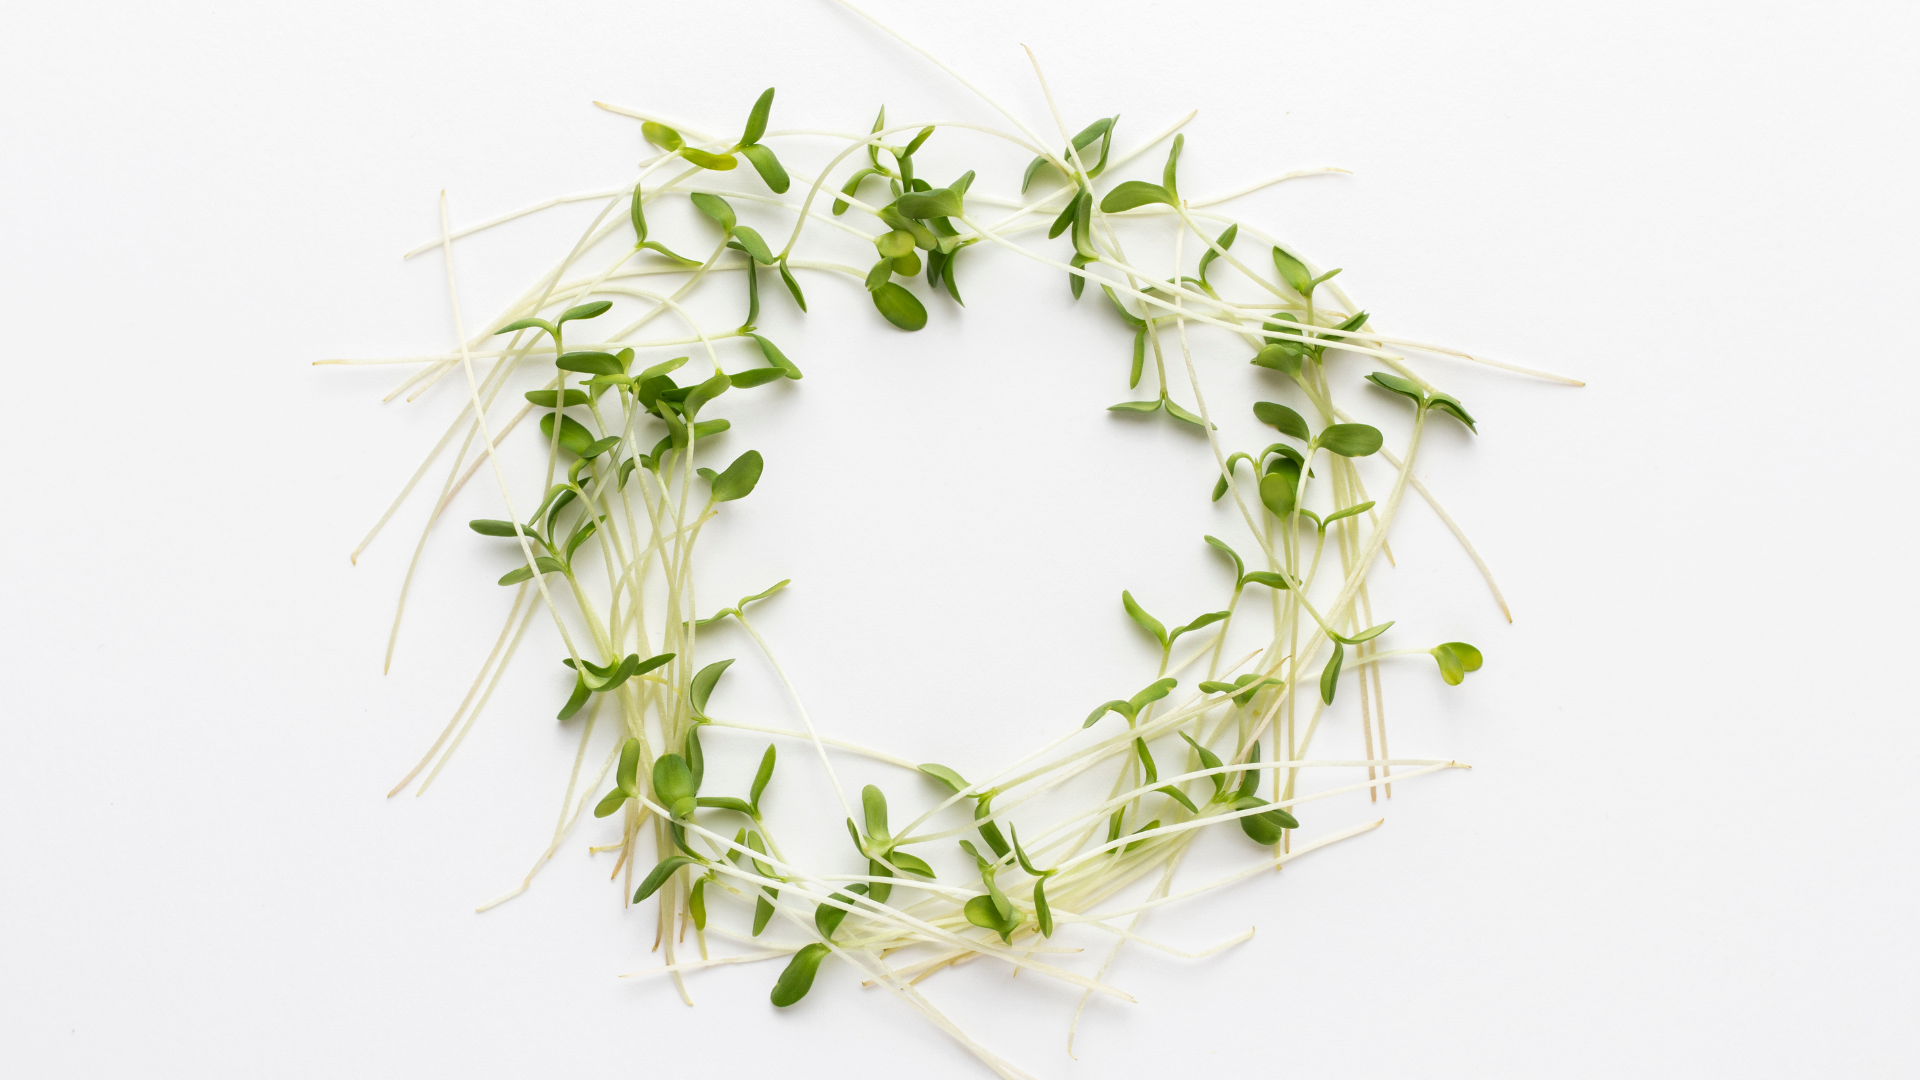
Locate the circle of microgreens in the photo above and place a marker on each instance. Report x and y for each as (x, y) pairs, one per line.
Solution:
(629, 488)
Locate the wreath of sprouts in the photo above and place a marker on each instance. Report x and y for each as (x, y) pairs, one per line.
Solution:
(634, 473)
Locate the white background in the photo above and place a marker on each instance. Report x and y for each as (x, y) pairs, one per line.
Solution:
(1686, 846)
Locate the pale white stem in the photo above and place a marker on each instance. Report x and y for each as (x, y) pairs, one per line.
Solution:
(506, 631)
(486, 435)
(877, 755)
(794, 695)
(718, 961)
(1268, 182)
(1257, 868)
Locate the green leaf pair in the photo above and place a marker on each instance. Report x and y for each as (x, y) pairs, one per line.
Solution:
(993, 910)
(1136, 193)
(1208, 760)
(1100, 129)
(553, 329)
(984, 911)
(738, 480)
(1421, 399)
(1242, 577)
(878, 843)
(1330, 675)
(590, 678)
(1130, 708)
(738, 610)
(1245, 686)
(1264, 828)
(1280, 487)
(669, 140)
(1160, 633)
(1153, 776)
(1296, 275)
(983, 807)
(1456, 658)
(1347, 440)
(1173, 408)
(757, 154)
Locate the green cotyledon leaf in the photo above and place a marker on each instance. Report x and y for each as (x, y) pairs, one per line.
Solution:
(797, 979)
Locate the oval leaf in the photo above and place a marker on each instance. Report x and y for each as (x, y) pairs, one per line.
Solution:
(1286, 420)
(1330, 675)
(592, 363)
(1146, 622)
(716, 162)
(1293, 272)
(573, 437)
(1281, 358)
(1398, 385)
(548, 399)
(662, 136)
(1134, 193)
(1469, 656)
(953, 780)
(756, 377)
(772, 173)
(672, 779)
(613, 801)
(584, 311)
(1454, 409)
(701, 687)
(797, 979)
(753, 244)
(628, 776)
(873, 805)
(1277, 492)
(757, 119)
(716, 208)
(765, 774)
(902, 308)
(1351, 440)
(659, 876)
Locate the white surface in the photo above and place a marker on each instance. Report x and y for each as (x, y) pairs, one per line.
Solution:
(1686, 847)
